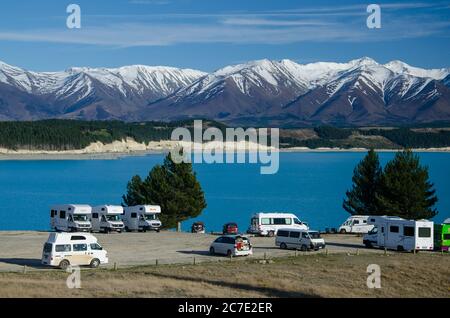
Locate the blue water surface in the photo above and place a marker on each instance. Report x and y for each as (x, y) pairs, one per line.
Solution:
(311, 185)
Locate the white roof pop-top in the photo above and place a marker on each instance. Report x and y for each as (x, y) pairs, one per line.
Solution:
(66, 238)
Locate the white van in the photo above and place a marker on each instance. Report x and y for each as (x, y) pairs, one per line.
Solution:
(67, 249)
(356, 224)
(269, 223)
(299, 239)
(71, 218)
(142, 218)
(399, 234)
(107, 218)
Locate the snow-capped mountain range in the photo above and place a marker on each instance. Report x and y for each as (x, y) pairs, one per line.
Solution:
(264, 92)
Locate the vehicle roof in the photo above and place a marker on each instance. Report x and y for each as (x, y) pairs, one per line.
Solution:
(73, 207)
(66, 237)
(395, 219)
(274, 214)
(110, 209)
(234, 236)
(143, 208)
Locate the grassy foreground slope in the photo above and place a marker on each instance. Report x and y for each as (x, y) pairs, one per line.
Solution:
(333, 275)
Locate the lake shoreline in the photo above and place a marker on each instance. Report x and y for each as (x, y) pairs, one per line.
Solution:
(75, 155)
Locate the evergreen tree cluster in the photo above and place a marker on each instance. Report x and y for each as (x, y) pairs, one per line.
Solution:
(401, 189)
(173, 186)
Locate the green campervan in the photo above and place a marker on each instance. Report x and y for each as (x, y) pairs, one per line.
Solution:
(442, 237)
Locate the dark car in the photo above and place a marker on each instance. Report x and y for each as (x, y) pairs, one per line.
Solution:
(198, 227)
(230, 228)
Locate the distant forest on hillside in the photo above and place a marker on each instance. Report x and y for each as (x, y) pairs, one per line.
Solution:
(58, 134)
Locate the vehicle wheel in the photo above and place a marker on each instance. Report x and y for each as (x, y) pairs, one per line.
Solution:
(95, 263)
(64, 264)
(400, 248)
(158, 230)
(343, 231)
(271, 234)
(304, 248)
(212, 251)
(229, 253)
(368, 244)
(283, 246)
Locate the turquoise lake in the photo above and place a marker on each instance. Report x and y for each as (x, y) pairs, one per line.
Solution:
(311, 185)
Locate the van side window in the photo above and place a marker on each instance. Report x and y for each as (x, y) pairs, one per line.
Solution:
(283, 233)
(281, 221)
(133, 215)
(295, 234)
(95, 247)
(394, 229)
(408, 231)
(265, 221)
(77, 238)
(63, 248)
(95, 215)
(62, 214)
(219, 240)
(304, 235)
(79, 247)
(52, 213)
(297, 221)
(103, 218)
(355, 221)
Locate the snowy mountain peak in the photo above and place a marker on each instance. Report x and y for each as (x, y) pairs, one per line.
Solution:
(400, 67)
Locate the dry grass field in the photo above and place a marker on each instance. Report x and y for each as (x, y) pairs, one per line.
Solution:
(318, 275)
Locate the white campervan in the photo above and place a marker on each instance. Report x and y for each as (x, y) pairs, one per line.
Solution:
(71, 218)
(67, 249)
(107, 218)
(142, 218)
(299, 239)
(403, 235)
(269, 223)
(356, 224)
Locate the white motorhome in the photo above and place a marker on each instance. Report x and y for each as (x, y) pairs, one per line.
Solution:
(356, 224)
(73, 249)
(142, 218)
(71, 218)
(268, 224)
(107, 218)
(399, 234)
(299, 239)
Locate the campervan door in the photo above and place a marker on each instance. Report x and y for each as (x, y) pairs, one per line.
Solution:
(424, 235)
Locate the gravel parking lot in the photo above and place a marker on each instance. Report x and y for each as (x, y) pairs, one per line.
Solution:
(19, 249)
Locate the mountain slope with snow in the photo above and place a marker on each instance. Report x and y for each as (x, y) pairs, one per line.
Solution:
(263, 92)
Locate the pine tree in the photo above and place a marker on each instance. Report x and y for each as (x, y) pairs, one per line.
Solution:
(173, 186)
(362, 198)
(405, 188)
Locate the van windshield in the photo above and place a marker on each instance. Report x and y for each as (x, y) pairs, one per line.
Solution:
(113, 218)
(80, 217)
(150, 217)
(314, 235)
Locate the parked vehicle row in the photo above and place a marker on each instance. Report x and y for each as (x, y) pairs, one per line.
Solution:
(104, 218)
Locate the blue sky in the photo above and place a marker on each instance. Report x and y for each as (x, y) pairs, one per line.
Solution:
(209, 34)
